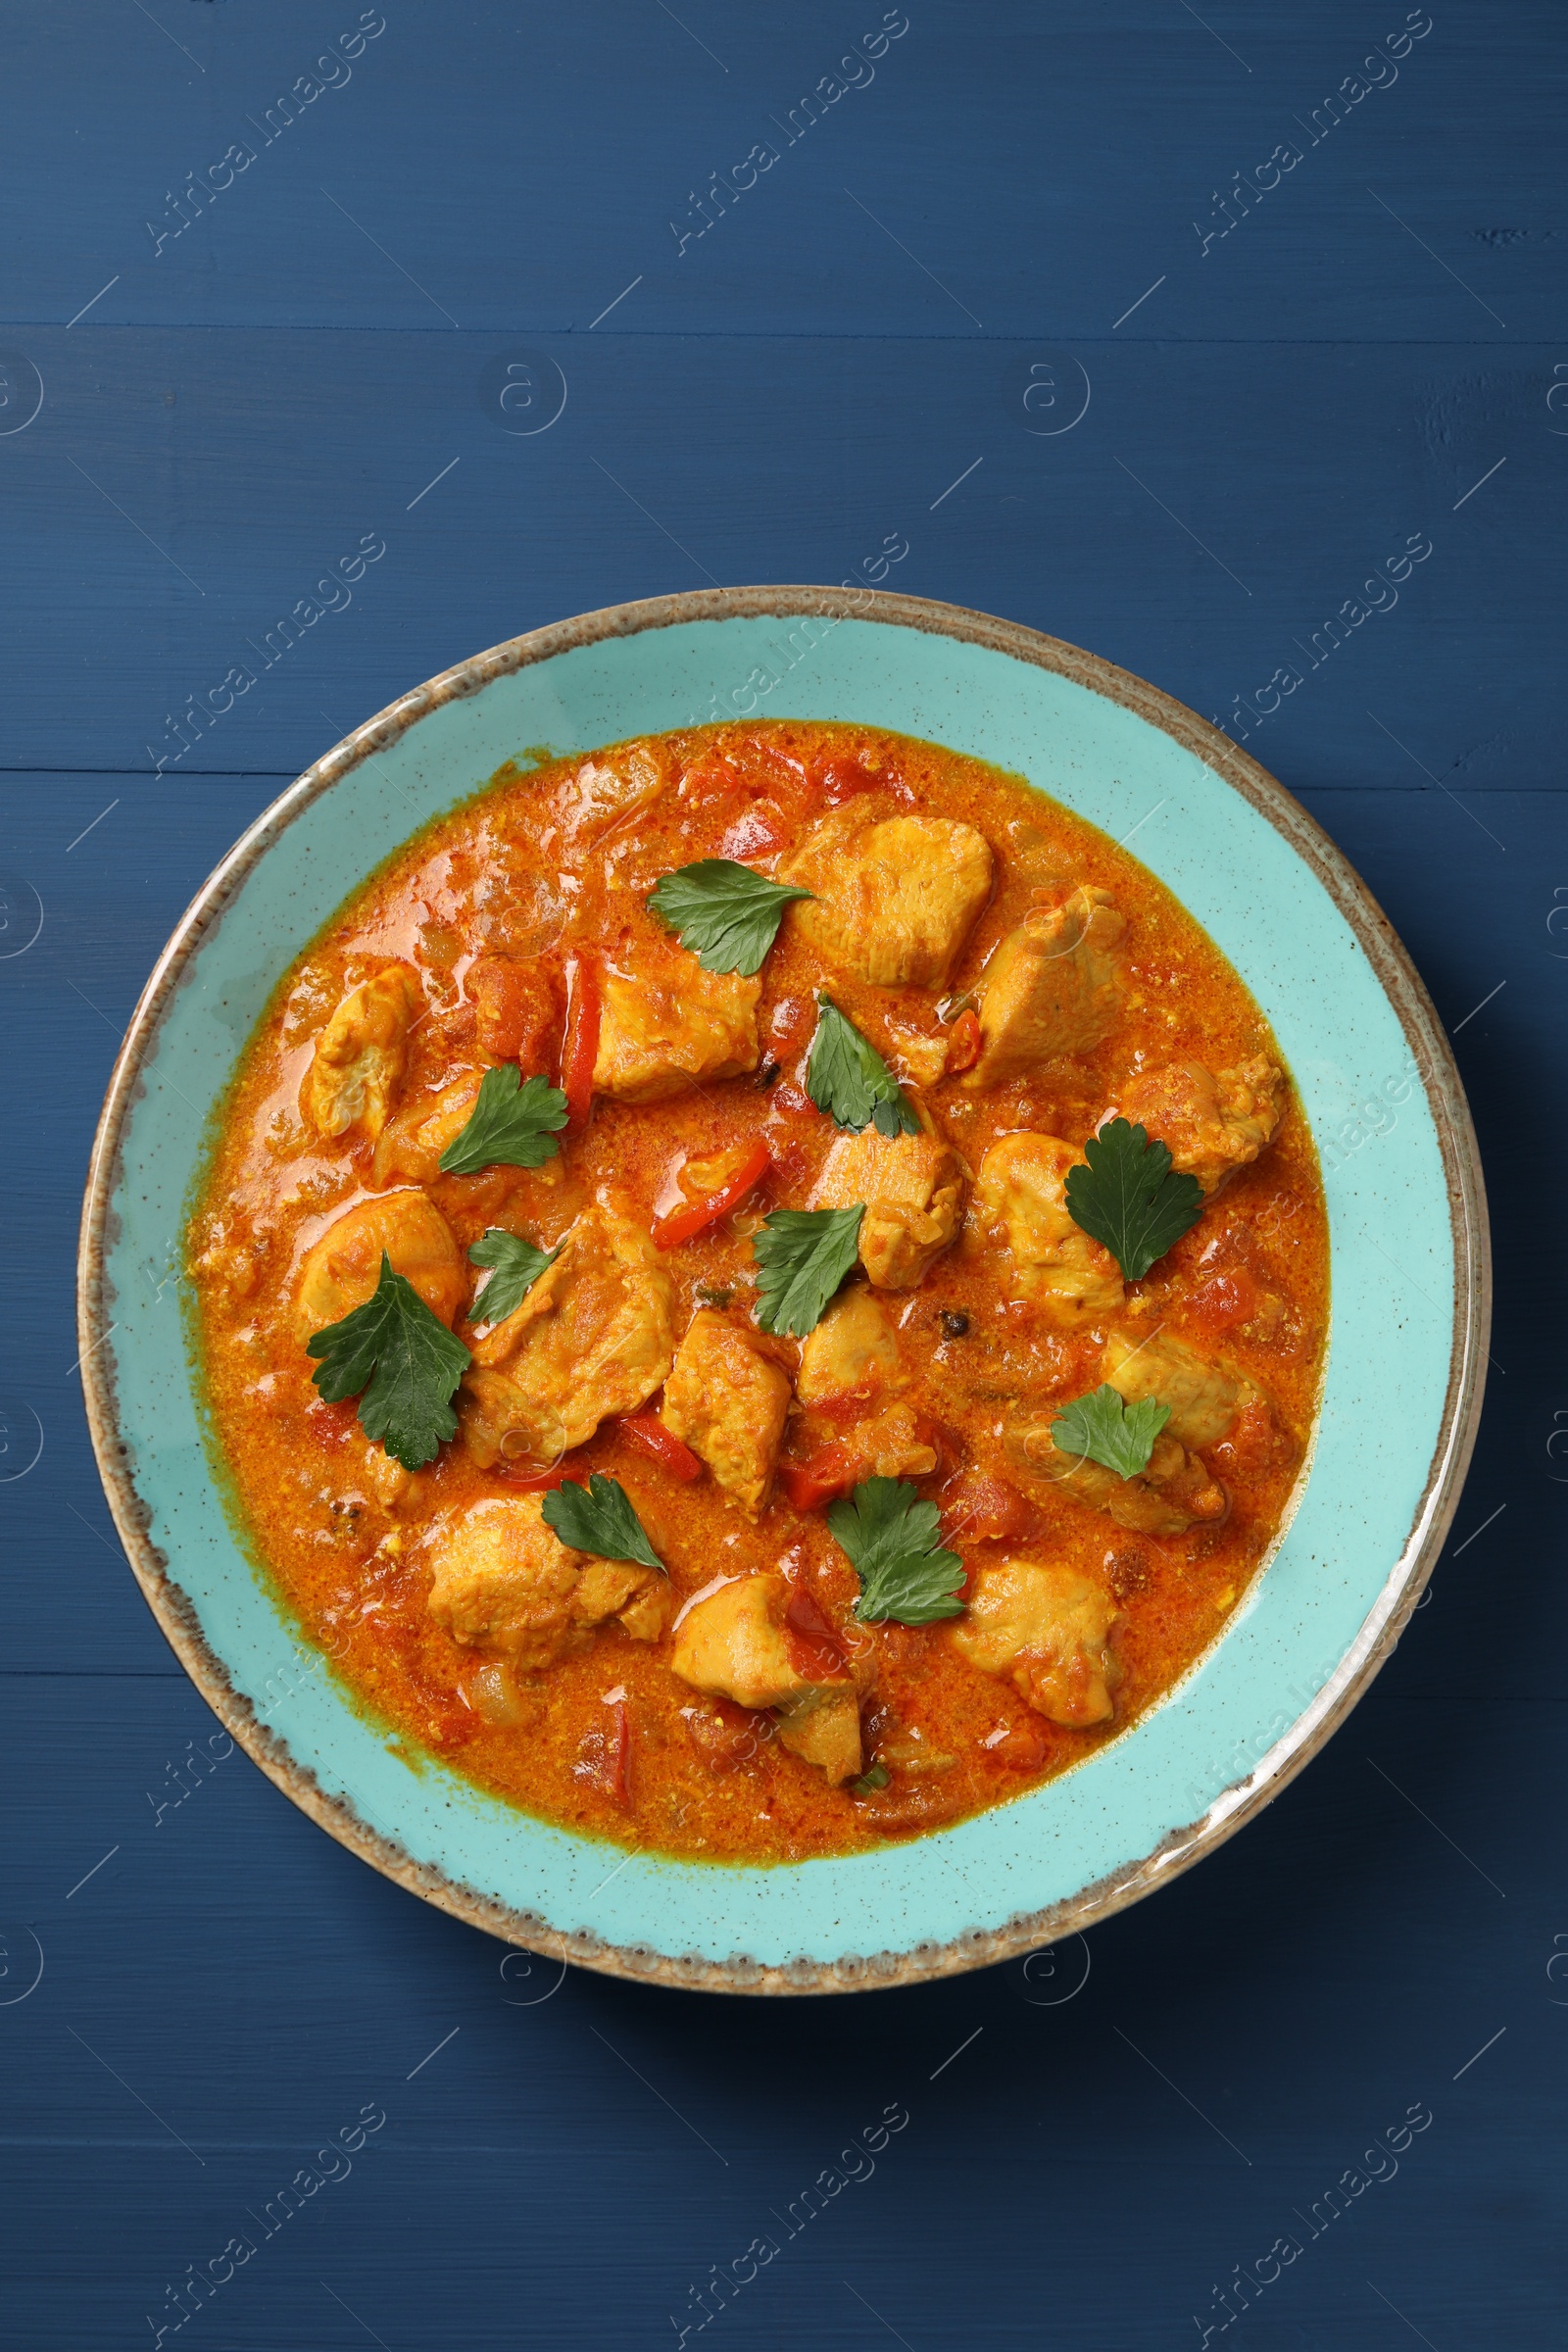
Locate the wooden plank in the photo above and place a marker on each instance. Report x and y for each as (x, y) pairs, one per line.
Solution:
(990, 170)
(1212, 522)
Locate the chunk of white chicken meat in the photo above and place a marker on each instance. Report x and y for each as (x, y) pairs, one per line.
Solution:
(892, 1444)
(1020, 1200)
(667, 1025)
(911, 1186)
(358, 1064)
(727, 1401)
(1048, 1629)
(503, 1582)
(341, 1270)
(1212, 1122)
(853, 1358)
(1203, 1399)
(1173, 1493)
(734, 1643)
(414, 1139)
(593, 1337)
(854, 1351)
(892, 901)
(1050, 988)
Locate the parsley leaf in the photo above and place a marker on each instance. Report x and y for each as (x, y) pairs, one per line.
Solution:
(891, 1537)
(517, 1265)
(1128, 1199)
(728, 913)
(802, 1256)
(512, 1125)
(847, 1078)
(406, 1362)
(599, 1518)
(1101, 1426)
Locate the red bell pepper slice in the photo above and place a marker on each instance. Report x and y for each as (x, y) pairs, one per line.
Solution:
(649, 1435)
(695, 1216)
(963, 1043)
(580, 1050)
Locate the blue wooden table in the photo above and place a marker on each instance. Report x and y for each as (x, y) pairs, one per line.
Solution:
(1168, 333)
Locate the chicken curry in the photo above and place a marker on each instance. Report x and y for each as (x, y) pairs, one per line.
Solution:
(761, 1291)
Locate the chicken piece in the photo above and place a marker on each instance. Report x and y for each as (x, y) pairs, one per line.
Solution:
(894, 901)
(505, 1582)
(1049, 989)
(1021, 1199)
(734, 1644)
(854, 1351)
(667, 1025)
(593, 1337)
(414, 1139)
(1204, 1400)
(824, 1729)
(517, 1011)
(890, 1445)
(1050, 1630)
(913, 1187)
(727, 1401)
(342, 1270)
(1212, 1122)
(1173, 1493)
(388, 1481)
(359, 1056)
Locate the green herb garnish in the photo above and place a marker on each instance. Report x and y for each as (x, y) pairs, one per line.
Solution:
(1105, 1429)
(846, 1077)
(517, 1266)
(402, 1363)
(802, 1256)
(725, 913)
(599, 1518)
(1128, 1199)
(870, 1782)
(512, 1125)
(889, 1534)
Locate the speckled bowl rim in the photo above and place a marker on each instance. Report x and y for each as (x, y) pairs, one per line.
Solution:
(1467, 1209)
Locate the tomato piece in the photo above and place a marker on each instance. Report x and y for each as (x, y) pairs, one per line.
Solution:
(963, 1043)
(813, 1637)
(840, 779)
(1249, 1448)
(1023, 1746)
(828, 1473)
(759, 833)
(649, 1435)
(517, 1010)
(1230, 1297)
(579, 1053)
(682, 1224)
(790, 1025)
(794, 1102)
(978, 1508)
(724, 1736)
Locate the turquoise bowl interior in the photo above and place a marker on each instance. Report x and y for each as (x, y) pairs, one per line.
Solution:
(1408, 1322)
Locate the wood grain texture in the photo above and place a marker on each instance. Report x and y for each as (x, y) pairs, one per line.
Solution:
(228, 1988)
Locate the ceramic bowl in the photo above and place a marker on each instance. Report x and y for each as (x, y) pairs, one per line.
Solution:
(1409, 1320)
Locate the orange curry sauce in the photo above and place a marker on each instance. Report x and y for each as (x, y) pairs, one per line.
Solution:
(543, 867)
